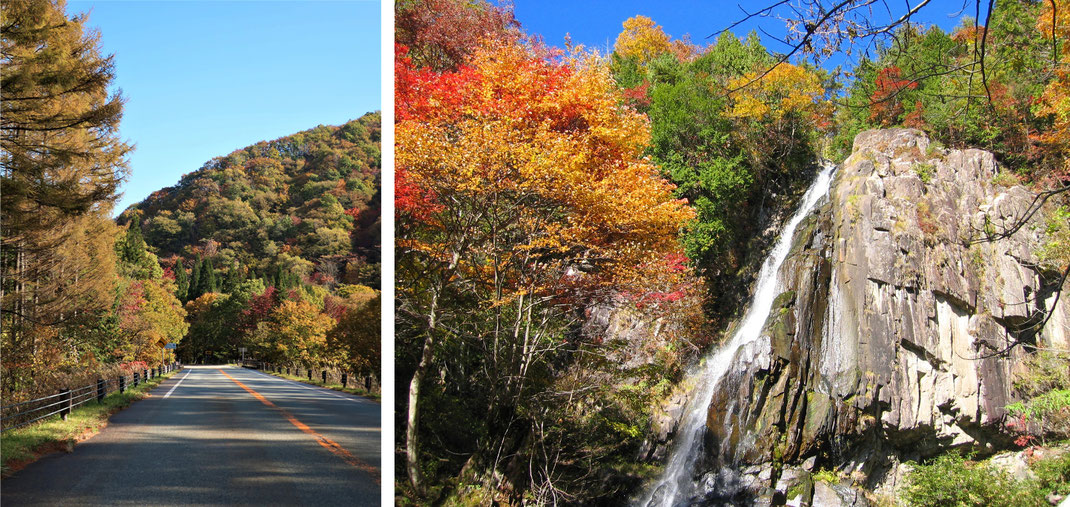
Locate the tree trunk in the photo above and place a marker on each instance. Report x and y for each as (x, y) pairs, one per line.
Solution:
(412, 438)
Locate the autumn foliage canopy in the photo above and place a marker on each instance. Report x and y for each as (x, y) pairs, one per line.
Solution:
(538, 148)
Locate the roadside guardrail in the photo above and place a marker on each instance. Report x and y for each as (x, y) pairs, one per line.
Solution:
(322, 374)
(24, 413)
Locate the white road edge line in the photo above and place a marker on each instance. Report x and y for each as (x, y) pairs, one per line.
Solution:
(177, 383)
(319, 390)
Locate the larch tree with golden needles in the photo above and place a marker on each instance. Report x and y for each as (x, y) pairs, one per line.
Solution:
(522, 197)
(61, 161)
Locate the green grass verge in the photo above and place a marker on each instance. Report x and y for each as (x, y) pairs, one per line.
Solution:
(329, 385)
(21, 446)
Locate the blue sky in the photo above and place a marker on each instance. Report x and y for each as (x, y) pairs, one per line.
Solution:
(597, 24)
(203, 79)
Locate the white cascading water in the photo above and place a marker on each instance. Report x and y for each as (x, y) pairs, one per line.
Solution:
(676, 486)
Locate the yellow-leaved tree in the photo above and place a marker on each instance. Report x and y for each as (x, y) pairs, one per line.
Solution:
(296, 332)
(644, 40)
(775, 109)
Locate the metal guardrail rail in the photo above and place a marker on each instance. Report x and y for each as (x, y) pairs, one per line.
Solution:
(24, 413)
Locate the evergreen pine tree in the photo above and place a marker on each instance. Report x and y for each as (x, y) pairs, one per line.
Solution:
(208, 281)
(194, 291)
(181, 281)
(280, 279)
(133, 250)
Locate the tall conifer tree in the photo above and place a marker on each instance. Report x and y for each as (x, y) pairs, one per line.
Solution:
(195, 280)
(208, 281)
(181, 281)
(61, 161)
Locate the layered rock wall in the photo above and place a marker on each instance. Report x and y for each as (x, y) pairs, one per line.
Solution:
(902, 319)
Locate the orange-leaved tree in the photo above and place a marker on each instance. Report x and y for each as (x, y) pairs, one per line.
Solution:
(522, 196)
(1055, 101)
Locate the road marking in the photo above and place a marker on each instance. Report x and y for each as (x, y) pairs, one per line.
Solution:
(320, 390)
(176, 384)
(327, 443)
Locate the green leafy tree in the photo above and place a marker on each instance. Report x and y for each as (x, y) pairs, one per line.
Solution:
(725, 151)
(209, 329)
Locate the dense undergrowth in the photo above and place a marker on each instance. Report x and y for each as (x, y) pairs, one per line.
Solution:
(954, 479)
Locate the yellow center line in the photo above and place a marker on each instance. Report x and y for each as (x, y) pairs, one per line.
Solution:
(327, 443)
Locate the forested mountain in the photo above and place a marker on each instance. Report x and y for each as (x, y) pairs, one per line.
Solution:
(304, 205)
(280, 239)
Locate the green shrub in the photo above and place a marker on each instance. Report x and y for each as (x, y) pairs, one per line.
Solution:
(1055, 253)
(1044, 386)
(1053, 474)
(951, 479)
(826, 476)
(1042, 406)
(925, 171)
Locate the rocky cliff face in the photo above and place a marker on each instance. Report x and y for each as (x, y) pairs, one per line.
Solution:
(894, 337)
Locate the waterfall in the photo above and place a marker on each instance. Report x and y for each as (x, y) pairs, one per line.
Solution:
(676, 485)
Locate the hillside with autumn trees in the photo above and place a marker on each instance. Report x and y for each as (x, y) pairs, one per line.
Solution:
(576, 229)
(280, 239)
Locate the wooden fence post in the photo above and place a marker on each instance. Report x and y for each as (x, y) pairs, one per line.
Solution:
(66, 407)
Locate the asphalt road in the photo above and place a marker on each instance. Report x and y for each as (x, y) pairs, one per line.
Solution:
(204, 439)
